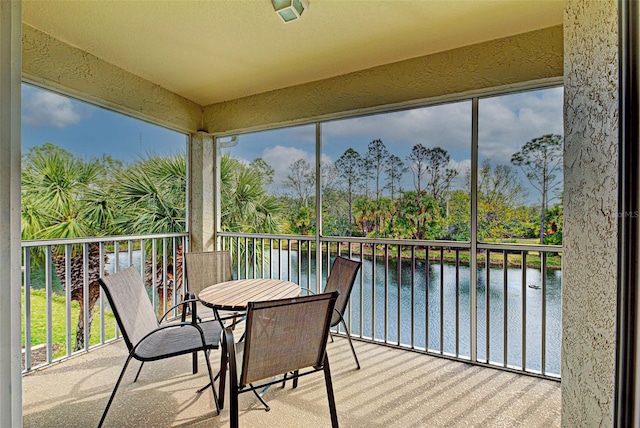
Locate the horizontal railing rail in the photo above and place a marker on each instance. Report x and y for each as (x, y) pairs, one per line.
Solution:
(415, 295)
(61, 294)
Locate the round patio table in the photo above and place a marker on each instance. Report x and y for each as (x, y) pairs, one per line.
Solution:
(234, 295)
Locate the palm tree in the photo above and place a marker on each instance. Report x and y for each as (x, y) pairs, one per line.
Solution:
(245, 204)
(66, 197)
(151, 195)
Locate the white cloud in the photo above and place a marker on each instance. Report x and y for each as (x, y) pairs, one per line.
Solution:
(507, 123)
(42, 108)
(447, 126)
(280, 157)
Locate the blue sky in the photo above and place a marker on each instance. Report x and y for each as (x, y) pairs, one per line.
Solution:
(505, 124)
(88, 131)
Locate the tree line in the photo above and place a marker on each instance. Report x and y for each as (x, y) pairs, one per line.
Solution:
(364, 194)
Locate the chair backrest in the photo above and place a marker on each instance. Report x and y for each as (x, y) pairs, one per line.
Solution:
(342, 276)
(285, 335)
(130, 304)
(207, 268)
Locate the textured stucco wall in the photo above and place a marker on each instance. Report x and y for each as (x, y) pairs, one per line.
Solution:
(590, 212)
(513, 60)
(202, 219)
(52, 63)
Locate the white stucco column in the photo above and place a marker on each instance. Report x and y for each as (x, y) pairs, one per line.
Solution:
(590, 239)
(10, 260)
(202, 219)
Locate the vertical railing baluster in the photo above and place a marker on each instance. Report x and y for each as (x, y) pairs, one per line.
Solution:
(288, 259)
(349, 304)
(326, 259)
(183, 271)
(154, 272)
(524, 310)
(487, 316)
(85, 293)
(165, 277)
(116, 256)
(309, 264)
(270, 242)
(361, 248)
(101, 304)
(386, 293)
(543, 308)
(399, 284)
(246, 257)
(426, 298)
(299, 258)
(67, 299)
(373, 291)
(27, 309)
(49, 295)
(262, 259)
(457, 334)
(441, 300)
(143, 257)
(413, 296)
(174, 274)
(254, 245)
(238, 257)
(505, 318)
(279, 258)
(130, 252)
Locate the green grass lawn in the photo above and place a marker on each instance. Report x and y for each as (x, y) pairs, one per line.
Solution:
(58, 311)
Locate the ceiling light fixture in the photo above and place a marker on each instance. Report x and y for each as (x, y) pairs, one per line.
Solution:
(289, 10)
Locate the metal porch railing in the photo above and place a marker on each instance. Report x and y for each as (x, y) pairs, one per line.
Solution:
(64, 311)
(417, 295)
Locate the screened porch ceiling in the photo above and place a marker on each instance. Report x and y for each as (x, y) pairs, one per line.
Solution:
(213, 51)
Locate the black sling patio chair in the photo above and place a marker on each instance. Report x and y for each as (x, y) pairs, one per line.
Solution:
(145, 337)
(341, 278)
(204, 269)
(288, 335)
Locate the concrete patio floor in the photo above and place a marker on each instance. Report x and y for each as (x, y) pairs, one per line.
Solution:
(394, 388)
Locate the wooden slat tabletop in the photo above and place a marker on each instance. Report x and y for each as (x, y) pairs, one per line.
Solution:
(234, 295)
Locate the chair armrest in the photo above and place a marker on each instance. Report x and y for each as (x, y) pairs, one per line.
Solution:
(307, 290)
(228, 358)
(228, 341)
(184, 302)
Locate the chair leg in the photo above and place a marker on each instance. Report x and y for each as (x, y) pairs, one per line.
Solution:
(194, 319)
(330, 396)
(351, 344)
(295, 379)
(264, 403)
(233, 398)
(213, 387)
(115, 388)
(233, 393)
(139, 370)
(223, 374)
